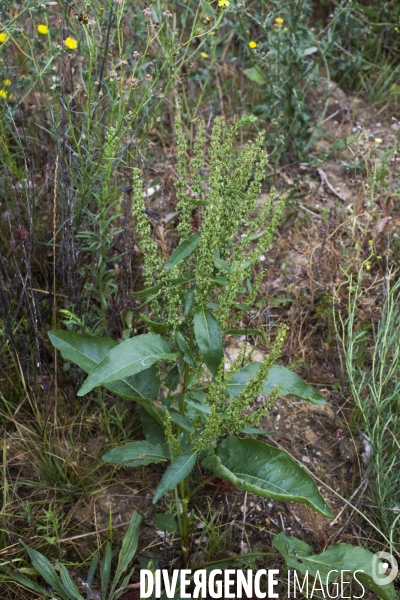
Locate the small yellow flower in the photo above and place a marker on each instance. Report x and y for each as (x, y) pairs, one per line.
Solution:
(3, 93)
(3, 37)
(7, 82)
(71, 43)
(208, 19)
(378, 141)
(252, 45)
(279, 21)
(367, 265)
(223, 3)
(43, 29)
(203, 55)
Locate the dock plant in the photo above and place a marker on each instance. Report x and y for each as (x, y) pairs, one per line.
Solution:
(196, 407)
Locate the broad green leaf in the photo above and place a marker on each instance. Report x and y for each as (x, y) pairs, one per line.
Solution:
(341, 557)
(155, 325)
(255, 74)
(175, 473)
(245, 307)
(166, 523)
(184, 346)
(81, 348)
(190, 299)
(155, 411)
(289, 383)
(181, 420)
(68, 583)
(152, 430)
(172, 379)
(222, 280)
(185, 249)
(87, 351)
(128, 358)
(261, 469)
(222, 265)
(205, 408)
(134, 454)
(44, 567)
(209, 338)
(128, 549)
(141, 387)
(148, 291)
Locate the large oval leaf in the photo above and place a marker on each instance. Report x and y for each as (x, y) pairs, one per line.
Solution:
(81, 348)
(128, 358)
(135, 454)
(289, 383)
(152, 430)
(209, 338)
(176, 472)
(185, 249)
(87, 351)
(261, 469)
(341, 557)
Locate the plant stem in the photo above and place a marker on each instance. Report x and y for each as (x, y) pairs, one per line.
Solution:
(184, 485)
(178, 510)
(184, 488)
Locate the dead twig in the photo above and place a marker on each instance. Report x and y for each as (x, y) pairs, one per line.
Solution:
(325, 181)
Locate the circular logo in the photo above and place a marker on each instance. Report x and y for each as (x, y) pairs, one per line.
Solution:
(379, 568)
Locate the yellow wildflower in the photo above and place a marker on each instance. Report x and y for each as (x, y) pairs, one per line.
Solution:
(71, 43)
(368, 265)
(252, 45)
(279, 21)
(7, 82)
(378, 141)
(3, 93)
(203, 55)
(3, 37)
(43, 29)
(208, 19)
(223, 3)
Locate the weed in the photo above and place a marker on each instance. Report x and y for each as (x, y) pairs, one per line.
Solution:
(371, 360)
